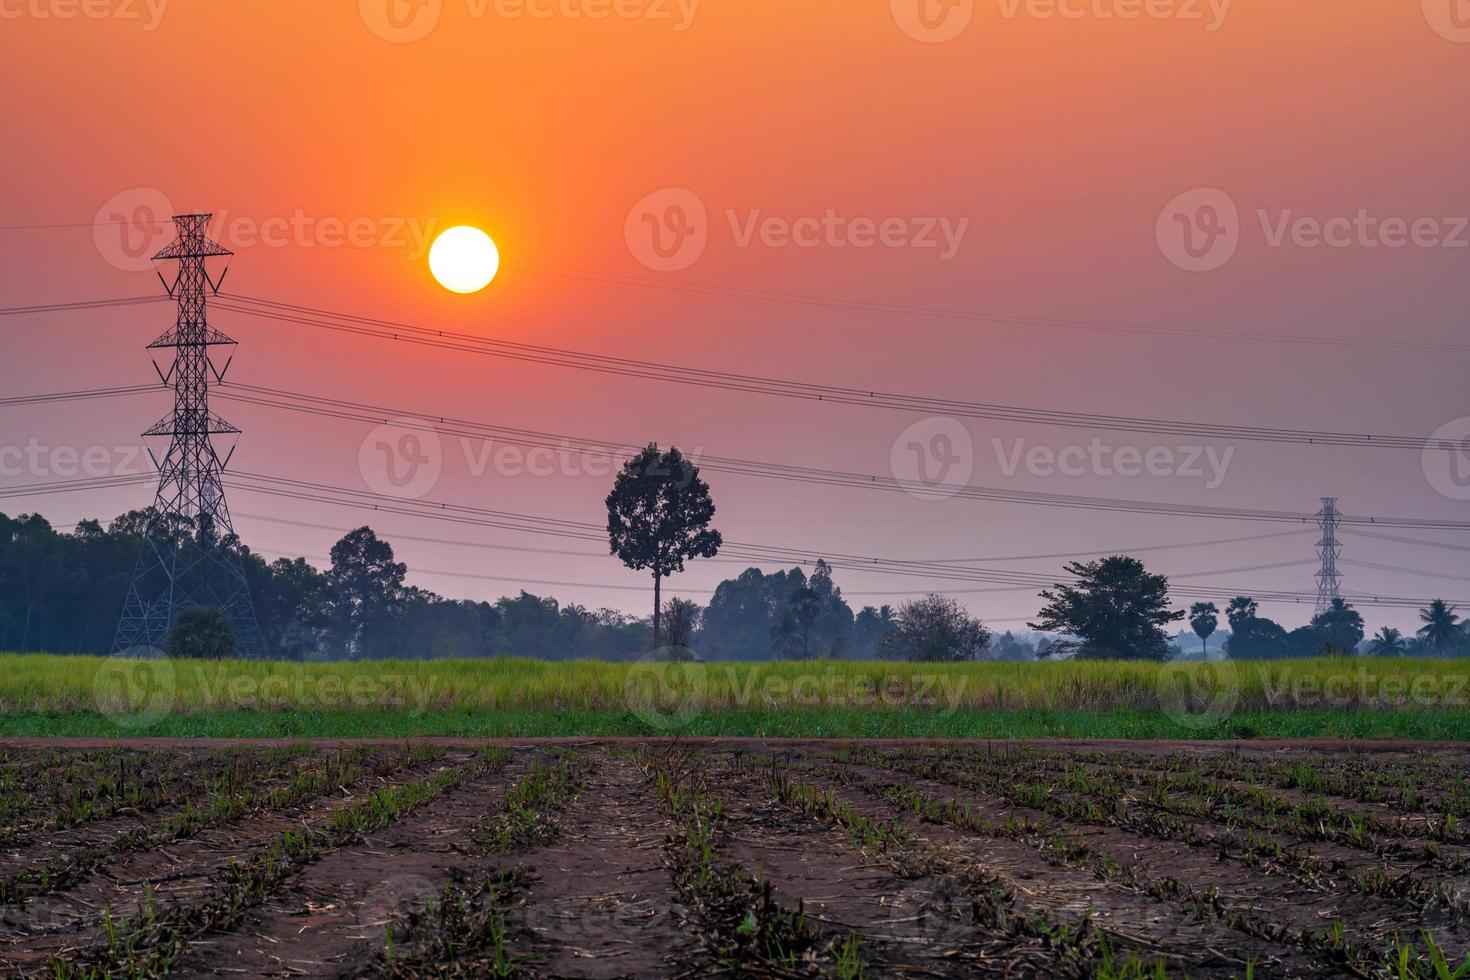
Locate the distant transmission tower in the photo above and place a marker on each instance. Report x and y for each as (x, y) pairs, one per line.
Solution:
(189, 555)
(1329, 580)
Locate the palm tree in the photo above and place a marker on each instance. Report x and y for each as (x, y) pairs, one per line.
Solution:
(1241, 608)
(1441, 629)
(1388, 642)
(1203, 619)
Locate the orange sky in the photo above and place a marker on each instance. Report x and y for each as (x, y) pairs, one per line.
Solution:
(1055, 140)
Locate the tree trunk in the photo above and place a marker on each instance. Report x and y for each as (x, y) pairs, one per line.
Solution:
(1204, 646)
(658, 579)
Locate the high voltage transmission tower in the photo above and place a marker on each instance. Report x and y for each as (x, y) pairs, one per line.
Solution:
(1329, 580)
(190, 556)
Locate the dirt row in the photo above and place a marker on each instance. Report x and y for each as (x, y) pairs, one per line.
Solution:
(644, 860)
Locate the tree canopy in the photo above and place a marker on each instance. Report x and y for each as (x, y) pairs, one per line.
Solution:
(1115, 609)
(658, 517)
(934, 628)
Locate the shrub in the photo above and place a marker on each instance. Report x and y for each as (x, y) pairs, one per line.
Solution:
(203, 633)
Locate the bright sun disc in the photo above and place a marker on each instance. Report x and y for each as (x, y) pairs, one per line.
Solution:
(464, 259)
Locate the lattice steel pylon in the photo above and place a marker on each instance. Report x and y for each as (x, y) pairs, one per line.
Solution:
(190, 556)
(1329, 580)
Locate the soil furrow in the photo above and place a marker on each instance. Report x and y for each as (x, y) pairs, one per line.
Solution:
(341, 909)
(1025, 858)
(170, 874)
(602, 905)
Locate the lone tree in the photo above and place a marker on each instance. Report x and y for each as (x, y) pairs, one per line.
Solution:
(658, 516)
(1115, 607)
(1204, 618)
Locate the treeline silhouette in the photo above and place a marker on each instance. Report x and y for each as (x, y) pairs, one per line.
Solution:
(61, 592)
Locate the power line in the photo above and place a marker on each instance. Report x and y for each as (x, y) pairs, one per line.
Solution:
(602, 555)
(74, 485)
(1007, 319)
(376, 414)
(475, 576)
(900, 309)
(562, 442)
(156, 225)
(80, 395)
(91, 304)
(1003, 581)
(477, 516)
(754, 384)
(1402, 570)
(1442, 545)
(461, 543)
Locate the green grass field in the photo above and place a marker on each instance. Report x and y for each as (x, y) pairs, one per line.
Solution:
(56, 696)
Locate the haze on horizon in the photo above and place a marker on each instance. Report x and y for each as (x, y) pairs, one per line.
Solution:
(991, 217)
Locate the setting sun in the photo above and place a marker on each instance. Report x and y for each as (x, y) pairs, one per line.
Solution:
(464, 259)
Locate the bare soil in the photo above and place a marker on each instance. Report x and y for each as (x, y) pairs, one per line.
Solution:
(906, 859)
